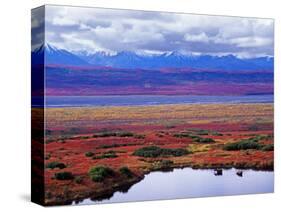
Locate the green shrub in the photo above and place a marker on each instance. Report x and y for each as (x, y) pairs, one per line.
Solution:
(89, 154)
(113, 134)
(55, 164)
(183, 135)
(250, 143)
(63, 176)
(155, 151)
(242, 145)
(99, 173)
(78, 179)
(125, 134)
(203, 140)
(149, 151)
(202, 132)
(195, 138)
(109, 154)
(269, 147)
(107, 146)
(215, 133)
(139, 136)
(126, 171)
(104, 134)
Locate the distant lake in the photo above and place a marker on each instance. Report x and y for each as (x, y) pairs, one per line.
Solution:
(139, 100)
(187, 183)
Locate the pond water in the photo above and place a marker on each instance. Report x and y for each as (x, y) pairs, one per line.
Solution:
(143, 100)
(188, 183)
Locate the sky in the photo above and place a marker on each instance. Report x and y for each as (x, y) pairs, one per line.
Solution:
(112, 31)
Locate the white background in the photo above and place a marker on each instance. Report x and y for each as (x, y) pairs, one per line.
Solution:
(15, 104)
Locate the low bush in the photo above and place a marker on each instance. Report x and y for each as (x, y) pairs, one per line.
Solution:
(89, 154)
(139, 136)
(63, 176)
(126, 171)
(194, 138)
(242, 145)
(55, 164)
(78, 179)
(104, 134)
(99, 173)
(250, 143)
(205, 132)
(107, 146)
(203, 140)
(113, 134)
(125, 134)
(202, 132)
(109, 154)
(183, 135)
(269, 147)
(155, 151)
(216, 133)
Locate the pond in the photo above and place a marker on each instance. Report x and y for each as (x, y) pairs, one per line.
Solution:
(189, 183)
(144, 100)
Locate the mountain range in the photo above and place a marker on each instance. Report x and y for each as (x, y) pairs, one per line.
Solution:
(131, 60)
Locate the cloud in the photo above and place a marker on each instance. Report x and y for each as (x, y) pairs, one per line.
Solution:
(96, 29)
(37, 27)
(202, 37)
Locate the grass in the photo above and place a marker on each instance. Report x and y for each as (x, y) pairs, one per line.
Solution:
(165, 112)
(162, 164)
(100, 173)
(198, 148)
(55, 164)
(155, 151)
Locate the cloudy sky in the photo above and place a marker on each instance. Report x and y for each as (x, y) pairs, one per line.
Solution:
(92, 29)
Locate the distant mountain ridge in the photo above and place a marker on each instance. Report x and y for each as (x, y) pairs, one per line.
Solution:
(53, 55)
(131, 60)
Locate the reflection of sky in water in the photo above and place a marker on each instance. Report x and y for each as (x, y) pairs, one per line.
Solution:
(184, 183)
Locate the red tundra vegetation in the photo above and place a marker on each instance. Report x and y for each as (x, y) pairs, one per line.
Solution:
(93, 152)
